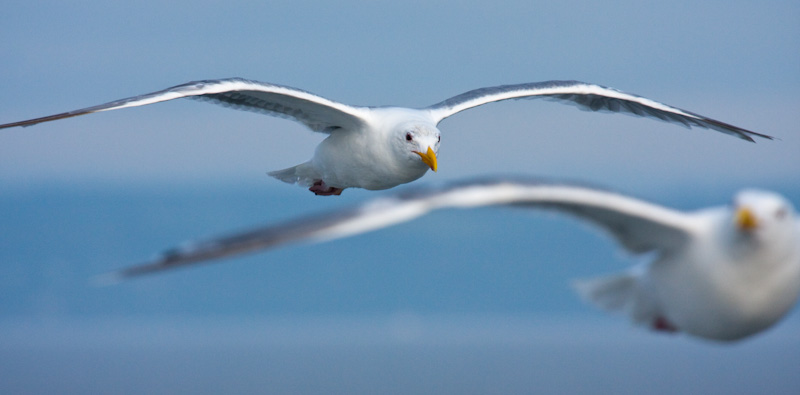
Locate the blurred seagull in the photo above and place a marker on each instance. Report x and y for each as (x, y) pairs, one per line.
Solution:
(722, 273)
(382, 147)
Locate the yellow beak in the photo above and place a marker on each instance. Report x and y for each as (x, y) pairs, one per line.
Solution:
(745, 219)
(429, 158)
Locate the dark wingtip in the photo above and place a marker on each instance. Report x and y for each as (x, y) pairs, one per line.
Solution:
(127, 273)
(35, 121)
(763, 136)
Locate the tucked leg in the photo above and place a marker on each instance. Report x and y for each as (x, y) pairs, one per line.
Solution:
(321, 189)
(661, 324)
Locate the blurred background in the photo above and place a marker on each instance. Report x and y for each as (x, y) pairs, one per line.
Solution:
(468, 302)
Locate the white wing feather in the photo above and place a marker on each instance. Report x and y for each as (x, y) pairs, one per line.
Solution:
(318, 113)
(638, 225)
(589, 97)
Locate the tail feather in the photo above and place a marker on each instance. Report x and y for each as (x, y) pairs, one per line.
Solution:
(620, 293)
(302, 174)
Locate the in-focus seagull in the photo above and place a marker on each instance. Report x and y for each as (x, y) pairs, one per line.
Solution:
(722, 273)
(382, 147)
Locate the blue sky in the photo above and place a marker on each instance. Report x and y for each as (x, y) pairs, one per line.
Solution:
(89, 194)
(732, 61)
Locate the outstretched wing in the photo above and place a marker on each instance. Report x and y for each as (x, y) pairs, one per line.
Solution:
(589, 97)
(318, 113)
(638, 225)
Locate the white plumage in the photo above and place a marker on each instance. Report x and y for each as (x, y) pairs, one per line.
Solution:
(722, 273)
(382, 147)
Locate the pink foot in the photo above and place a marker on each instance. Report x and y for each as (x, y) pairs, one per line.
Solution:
(661, 324)
(320, 189)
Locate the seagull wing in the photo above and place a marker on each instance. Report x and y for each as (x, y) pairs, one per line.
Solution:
(587, 97)
(638, 225)
(318, 113)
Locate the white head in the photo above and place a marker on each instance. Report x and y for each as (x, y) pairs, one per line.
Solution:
(418, 143)
(764, 218)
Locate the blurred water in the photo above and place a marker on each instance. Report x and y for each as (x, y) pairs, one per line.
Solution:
(400, 353)
(462, 302)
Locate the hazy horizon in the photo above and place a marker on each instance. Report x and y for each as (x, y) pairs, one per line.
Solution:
(461, 302)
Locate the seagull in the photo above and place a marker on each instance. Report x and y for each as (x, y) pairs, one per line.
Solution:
(381, 147)
(722, 273)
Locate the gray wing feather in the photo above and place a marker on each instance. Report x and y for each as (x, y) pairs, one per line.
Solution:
(638, 225)
(318, 113)
(588, 97)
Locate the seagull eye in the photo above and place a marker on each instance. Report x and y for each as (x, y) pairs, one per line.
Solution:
(781, 213)
(408, 137)
(440, 139)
